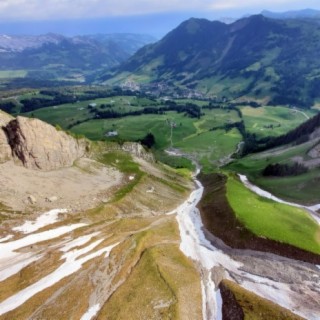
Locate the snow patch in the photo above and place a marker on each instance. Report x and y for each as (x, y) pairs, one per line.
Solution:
(44, 220)
(91, 312)
(72, 264)
(12, 262)
(195, 245)
(8, 237)
(78, 242)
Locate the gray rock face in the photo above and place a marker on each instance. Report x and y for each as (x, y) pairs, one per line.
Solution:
(5, 150)
(136, 149)
(314, 153)
(36, 144)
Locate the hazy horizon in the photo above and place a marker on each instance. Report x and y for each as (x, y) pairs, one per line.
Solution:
(155, 18)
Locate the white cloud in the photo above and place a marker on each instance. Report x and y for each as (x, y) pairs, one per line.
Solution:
(57, 9)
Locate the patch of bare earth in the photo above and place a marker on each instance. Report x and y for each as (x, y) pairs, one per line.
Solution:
(79, 187)
(145, 256)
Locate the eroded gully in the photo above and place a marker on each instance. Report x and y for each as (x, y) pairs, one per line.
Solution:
(292, 284)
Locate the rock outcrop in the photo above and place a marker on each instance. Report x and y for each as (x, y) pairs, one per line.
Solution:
(314, 153)
(136, 149)
(133, 148)
(5, 150)
(38, 145)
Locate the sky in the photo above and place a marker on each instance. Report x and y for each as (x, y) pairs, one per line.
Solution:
(155, 17)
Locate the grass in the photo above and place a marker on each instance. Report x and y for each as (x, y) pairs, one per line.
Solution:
(255, 307)
(273, 220)
(211, 146)
(68, 114)
(136, 127)
(302, 188)
(156, 270)
(145, 281)
(175, 186)
(175, 162)
(190, 134)
(124, 163)
(272, 121)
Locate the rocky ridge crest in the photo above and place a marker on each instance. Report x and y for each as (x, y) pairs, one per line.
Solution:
(5, 150)
(37, 145)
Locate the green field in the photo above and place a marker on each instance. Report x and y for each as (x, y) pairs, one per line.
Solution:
(302, 188)
(216, 118)
(133, 128)
(273, 220)
(68, 114)
(272, 121)
(203, 137)
(209, 147)
(190, 135)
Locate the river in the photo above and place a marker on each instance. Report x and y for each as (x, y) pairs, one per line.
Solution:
(292, 284)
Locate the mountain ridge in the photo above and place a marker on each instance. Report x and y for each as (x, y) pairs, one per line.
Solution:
(52, 57)
(255, 56)
(292, 14)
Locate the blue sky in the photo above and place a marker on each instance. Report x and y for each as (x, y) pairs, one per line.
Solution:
(155, 17)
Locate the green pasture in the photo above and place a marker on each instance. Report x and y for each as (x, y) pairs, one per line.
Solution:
(211, 146)
(63, 115)
(189, 134)
(215, 118)
(273, 121)
(133, 128)
(273, 220)
(70, 113)
(303, 188)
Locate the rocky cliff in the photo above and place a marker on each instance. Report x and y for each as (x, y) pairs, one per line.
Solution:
(133, 148)
(5, 150)
(37, 145)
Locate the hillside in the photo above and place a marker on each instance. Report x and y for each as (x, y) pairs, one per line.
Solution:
(255, 57)
(56, 57)
(107, 218)
(288, 165)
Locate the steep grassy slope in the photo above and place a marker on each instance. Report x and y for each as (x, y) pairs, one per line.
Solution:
(245, 221)
(272, 220)
(239, 303)
(298, 146)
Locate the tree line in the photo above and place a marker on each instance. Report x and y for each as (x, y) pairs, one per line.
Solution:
(283, 170)
(297, 136)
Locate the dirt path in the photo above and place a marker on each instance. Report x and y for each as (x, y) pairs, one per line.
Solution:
(303, 113)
